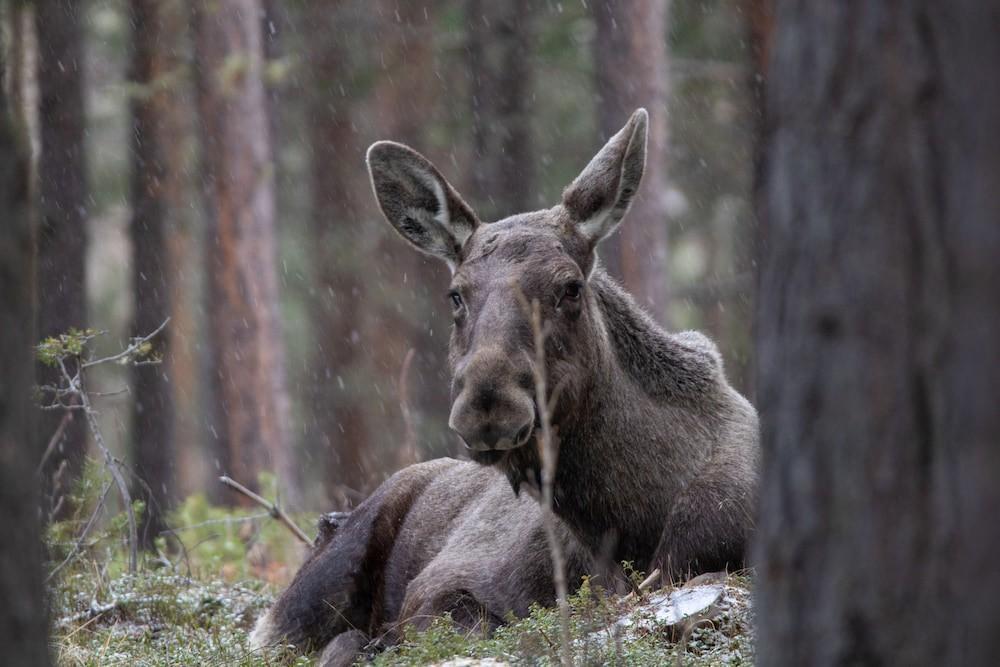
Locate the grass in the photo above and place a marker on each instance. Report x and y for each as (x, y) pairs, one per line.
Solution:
(196, 599)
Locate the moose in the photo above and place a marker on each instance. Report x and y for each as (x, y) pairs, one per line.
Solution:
(657, 453)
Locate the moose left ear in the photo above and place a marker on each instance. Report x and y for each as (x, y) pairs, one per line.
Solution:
(600, 196)
(418, 202)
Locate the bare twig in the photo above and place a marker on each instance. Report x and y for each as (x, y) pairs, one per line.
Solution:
(408, 453)
(75, 383)
(54, 440)
(215, 522)
(646, 584)
(548, 450)
(272, 508)
(131, 350)
(83, 535)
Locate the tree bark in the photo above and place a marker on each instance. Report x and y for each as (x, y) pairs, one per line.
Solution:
(244, 310)
(878, 326)
(23, 623)
(407, 306)
(499, 42)
(62, 213)
(158, 187)
(630, 64)
(340, 203)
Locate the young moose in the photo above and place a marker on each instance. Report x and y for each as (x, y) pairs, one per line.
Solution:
(657, 453)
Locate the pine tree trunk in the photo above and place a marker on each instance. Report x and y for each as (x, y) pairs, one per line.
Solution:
(878, 323)
(408, 310)
(499, 42)
(23, 624)
(340, 200)
(62, 214)
(158, 186)
(630, 55)
(244, 310)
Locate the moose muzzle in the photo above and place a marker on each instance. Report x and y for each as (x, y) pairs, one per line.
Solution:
(493, 408)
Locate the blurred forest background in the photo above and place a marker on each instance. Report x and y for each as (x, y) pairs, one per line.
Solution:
(204, 161)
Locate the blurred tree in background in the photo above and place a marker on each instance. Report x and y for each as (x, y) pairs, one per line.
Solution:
(305, 338)
(62, 208)
(245, 322)
(23, 621)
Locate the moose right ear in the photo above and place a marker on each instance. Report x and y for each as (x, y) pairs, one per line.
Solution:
(601, 195)
(418, 202)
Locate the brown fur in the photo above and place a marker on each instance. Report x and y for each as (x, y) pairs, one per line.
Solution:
(657, 453)
(442, 536)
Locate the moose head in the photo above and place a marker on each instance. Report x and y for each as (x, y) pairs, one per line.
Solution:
(545, 256)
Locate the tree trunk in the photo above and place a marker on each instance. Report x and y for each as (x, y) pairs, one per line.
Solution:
(878, 323)
(499, 42)
(630, 52)
(62, 214)
(408, 310)
(158, 186)
(244, 310)
(339, 399)
(23, 624)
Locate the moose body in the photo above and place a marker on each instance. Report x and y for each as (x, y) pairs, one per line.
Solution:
(657, 453)
(444, 536)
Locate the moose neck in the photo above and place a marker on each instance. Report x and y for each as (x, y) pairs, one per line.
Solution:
(638, 430)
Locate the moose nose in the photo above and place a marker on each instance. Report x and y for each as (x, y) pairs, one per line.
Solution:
(493, 418)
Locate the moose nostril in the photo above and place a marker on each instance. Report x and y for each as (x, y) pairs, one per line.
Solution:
(522, 435)
(490, 437)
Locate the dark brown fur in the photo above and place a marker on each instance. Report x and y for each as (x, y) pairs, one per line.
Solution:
(443, 536)
(657, 453)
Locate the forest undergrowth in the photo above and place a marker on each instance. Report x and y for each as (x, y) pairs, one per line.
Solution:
(197, 593)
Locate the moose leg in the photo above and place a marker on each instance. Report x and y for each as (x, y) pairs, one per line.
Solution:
(428, 598)
(343, 650)
(708, 528)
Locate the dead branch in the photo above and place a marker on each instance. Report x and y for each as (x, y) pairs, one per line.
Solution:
(54, 440)
(548, 450)
(408, 453)
(646, 584)
(83, 535)
(133, 349)
(75, 383)
(273, 509)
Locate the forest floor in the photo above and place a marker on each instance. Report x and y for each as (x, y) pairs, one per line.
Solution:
(195, 602)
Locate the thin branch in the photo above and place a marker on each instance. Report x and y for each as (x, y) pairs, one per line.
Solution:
(409, 450)
(272, 508)
(648, 582)
(54, 440)
(215, 522)
(83, 535)
(129, 351)
(112, 463)
(548, 450)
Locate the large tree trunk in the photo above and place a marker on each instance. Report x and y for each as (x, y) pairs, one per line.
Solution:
(244, 311)
(158, 186)
(407, 304)
(878, 323)
(499, 41)
(340, 231)
(62, 213)
(630, 52)
(23, 624)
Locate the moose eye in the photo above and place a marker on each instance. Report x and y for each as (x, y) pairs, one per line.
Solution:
(572, 291)
(456, 300)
